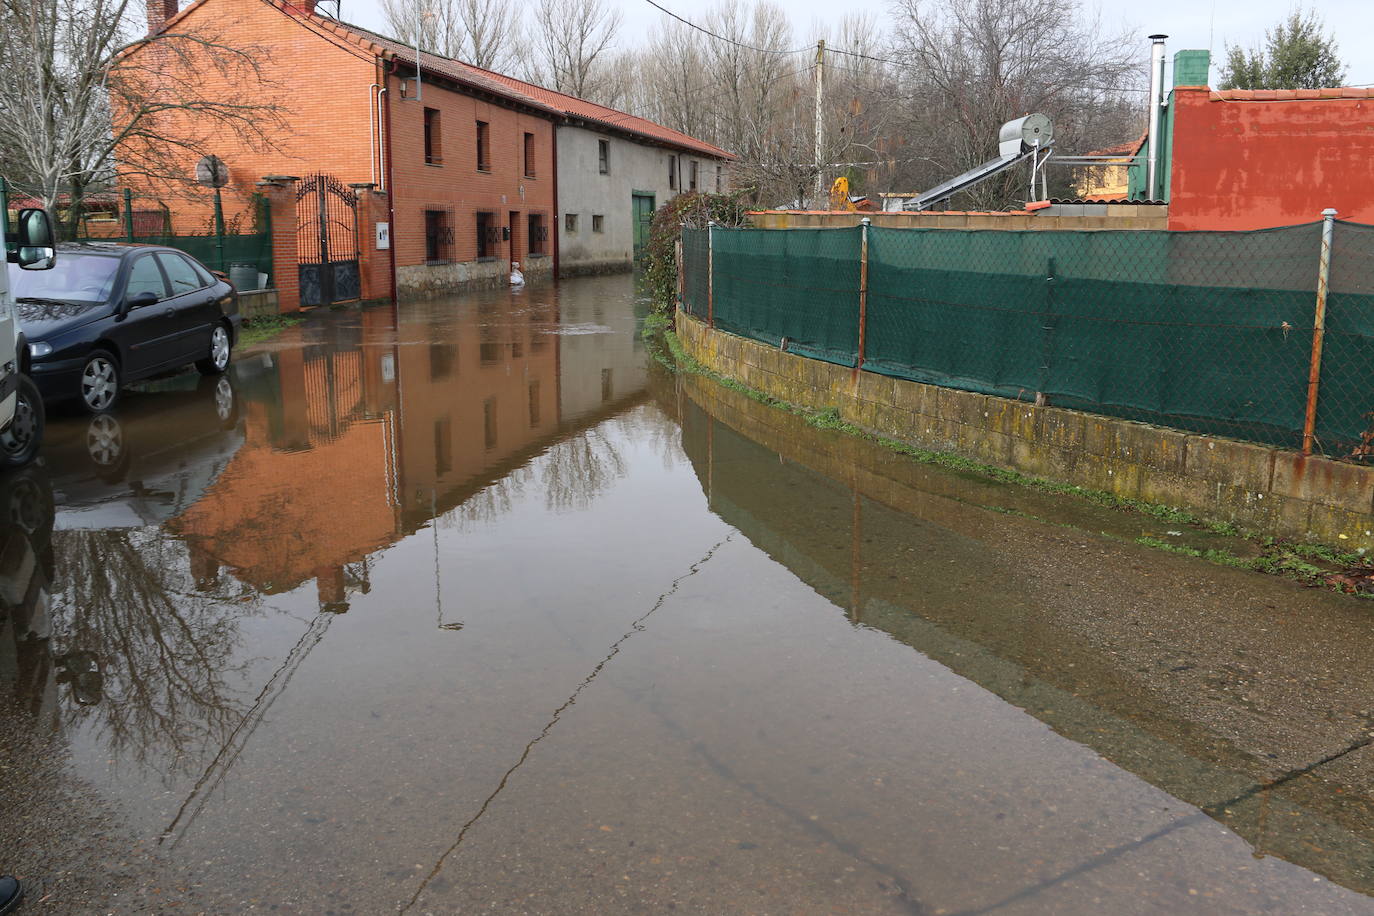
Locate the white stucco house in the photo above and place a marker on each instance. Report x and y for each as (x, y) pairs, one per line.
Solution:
(613, 170)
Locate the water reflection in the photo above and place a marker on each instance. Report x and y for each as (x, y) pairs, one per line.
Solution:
(460, 606)
(912, 553)
(180, 516)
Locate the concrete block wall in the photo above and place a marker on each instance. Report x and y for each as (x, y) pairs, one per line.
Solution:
(1265, 490)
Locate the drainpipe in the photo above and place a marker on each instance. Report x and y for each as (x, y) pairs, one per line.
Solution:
(390, 189)
(554, 230)
(1156, 102)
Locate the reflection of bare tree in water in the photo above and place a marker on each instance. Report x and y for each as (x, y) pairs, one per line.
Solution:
(163, 637)
(576, 470)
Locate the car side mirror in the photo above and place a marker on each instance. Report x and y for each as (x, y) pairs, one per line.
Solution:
(138, 300)
(36, 248)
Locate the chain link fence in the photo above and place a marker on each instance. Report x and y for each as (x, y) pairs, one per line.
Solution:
(1209, 332)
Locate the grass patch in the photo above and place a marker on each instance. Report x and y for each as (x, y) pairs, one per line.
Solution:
(1297, 561)
(263, 329)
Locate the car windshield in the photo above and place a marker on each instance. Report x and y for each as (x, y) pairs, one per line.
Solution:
(80, 279)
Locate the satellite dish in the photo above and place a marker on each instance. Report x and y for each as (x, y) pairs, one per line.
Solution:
(212, 172)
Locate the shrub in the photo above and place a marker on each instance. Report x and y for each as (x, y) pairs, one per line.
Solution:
(694, 210)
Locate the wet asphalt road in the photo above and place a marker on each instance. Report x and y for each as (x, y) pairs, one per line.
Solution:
(471, 608)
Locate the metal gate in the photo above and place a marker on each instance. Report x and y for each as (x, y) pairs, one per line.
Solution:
(327, 240)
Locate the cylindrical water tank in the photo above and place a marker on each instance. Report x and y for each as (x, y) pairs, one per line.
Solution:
(1021, 134)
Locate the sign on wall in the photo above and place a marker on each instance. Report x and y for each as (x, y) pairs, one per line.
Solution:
(383, 236)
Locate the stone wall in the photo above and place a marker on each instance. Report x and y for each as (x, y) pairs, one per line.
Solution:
(1263, 489)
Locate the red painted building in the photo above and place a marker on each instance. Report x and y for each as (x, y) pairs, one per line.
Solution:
(1254, 159)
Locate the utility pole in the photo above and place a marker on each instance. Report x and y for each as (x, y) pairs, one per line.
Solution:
(820, 124)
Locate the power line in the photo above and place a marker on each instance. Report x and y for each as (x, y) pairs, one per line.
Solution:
(732, 41)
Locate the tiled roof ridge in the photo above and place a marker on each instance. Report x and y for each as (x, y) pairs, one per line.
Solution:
(549, 99)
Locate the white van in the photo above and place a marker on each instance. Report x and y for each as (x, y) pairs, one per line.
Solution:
(21, 406)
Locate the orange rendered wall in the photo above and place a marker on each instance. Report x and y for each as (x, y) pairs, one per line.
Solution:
(1256, 164)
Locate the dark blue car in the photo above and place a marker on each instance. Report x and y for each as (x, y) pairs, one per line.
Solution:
(112, 313)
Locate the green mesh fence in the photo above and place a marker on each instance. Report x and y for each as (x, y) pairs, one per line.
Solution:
(695, 251)
(255, 250)
(1209, 332)
(797, 285)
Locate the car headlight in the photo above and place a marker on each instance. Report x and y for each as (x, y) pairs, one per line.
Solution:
(39, 349)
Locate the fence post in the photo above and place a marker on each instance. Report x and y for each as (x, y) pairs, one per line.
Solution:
(864, 224)
(128, 215)
(711, 274)
(219, 230)
(1047, 326)
(680, 252)
(1314, 370)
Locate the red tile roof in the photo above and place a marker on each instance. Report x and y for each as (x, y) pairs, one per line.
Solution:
(536, 97)
(1290, 95)
(546, 99)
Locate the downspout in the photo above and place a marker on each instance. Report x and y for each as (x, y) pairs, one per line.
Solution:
(555, 232)
(1156, 100)
(390, 188)
(374, 128)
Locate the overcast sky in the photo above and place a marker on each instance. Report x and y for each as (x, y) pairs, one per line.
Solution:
(1207, 24)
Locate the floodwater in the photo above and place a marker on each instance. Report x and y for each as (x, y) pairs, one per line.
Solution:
(472, 607)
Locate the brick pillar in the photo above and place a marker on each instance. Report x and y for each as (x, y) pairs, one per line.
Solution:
(285, 270)
(374, 264)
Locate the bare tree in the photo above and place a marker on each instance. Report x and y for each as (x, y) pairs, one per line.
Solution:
(575, 40)
(484, 33)
(968, 67)
(85, 96)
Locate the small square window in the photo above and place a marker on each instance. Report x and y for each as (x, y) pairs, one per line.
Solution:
(603, 156)
(569, 222)
(598, 223)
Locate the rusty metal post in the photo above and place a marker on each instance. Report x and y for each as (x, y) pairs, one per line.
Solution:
(863, 292)
(711, 274)
(1314, 370)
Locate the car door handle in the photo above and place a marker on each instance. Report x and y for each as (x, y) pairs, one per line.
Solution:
(168, 313)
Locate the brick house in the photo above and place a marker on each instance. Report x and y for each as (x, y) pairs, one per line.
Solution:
(459, 166)
(614, 170)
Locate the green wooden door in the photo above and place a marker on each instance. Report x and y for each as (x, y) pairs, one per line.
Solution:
(643, 217)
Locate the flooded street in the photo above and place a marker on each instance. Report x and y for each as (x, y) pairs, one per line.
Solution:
(473, 607)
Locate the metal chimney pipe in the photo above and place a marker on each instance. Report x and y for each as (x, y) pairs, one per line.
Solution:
(1156, 104)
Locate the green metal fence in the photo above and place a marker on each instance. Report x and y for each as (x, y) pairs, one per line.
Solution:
(1211, 332)
(233, 230)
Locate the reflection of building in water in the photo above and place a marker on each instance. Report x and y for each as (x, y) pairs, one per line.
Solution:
(368, 432)
(600, 364)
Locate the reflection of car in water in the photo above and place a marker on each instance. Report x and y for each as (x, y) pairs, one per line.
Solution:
(29, 672)
(168, 442)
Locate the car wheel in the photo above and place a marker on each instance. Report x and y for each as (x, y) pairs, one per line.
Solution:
(99, 382)
(20, 440)
(218, 360)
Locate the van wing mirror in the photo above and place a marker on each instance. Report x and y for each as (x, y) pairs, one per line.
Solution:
(36, 248)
